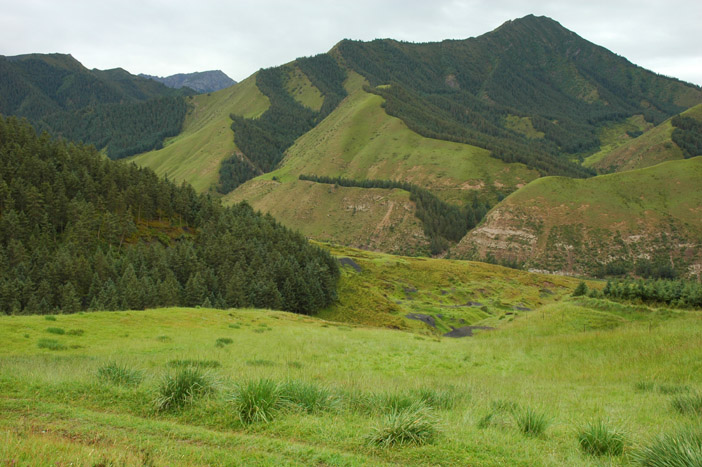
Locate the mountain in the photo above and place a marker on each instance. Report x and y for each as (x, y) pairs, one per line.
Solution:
(201, 81)
(112, 109)
(341, 144)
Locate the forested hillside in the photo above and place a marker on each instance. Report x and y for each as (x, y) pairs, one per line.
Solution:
(112, 109)
(78, 231)
(533, 69)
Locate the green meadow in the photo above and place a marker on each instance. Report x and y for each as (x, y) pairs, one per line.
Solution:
(570, 381)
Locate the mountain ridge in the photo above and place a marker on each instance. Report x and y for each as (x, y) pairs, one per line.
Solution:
(199, 81)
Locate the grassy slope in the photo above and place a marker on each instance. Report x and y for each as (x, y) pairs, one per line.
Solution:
(619, 152)
(455, 293)
(359, 140)
(301, 88)
(575, 361)
(195, 154)
(562, 224)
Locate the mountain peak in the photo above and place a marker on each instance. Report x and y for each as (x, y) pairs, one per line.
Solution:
(200, 81)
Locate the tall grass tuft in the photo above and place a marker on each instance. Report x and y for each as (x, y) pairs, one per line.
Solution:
(121, 375)
(59, 331)
(440, 399)
(50, 344)
(681, 449)
(501, 415)
(307, 396)
(531, 422)
(183, 388)
(689, 404)
(199, 363)
(413, 425)
(598, 439)
(258, 401)
(222, 341)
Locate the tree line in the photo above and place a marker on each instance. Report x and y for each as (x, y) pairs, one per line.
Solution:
(81, 232)
(687, 134)
(678, 293)
(443, 223)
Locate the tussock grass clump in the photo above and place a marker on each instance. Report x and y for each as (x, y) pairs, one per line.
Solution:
(440, 399)
(222, 341)
(413, 425)
(393, 402)
(531, 422)
(195, 363)
(258, 401)
(75, 332)
(689, 404)
(235, 326)
(644, 386)
(598, 439)
(260, 362)
(307, 396)
(183, 388)
(681, 449)
(671, 389)
(501, 415)
(50, 344)
(121, 375)
(59, 331)
(50, 318)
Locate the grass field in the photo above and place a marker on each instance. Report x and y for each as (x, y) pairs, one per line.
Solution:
(570, 362)
(258, 387)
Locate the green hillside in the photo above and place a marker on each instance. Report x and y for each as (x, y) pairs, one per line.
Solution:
(195, 155)
(621, 152)
(601, 225)
(360, 141)
(112, 109)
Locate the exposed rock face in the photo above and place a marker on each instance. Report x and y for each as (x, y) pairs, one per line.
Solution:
(202, 82)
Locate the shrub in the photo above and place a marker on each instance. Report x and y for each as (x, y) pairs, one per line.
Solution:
(531, 422)
(50, 344)
(183, 388)
(59, 331)
(119, 374)
(306, 396)
(681, 449)
(689, 404)
(598, 440)
(410, 425)
(258, 401)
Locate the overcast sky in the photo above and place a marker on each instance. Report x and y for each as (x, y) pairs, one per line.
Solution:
(163, 37)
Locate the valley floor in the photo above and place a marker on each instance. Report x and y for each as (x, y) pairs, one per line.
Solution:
(571, 362)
